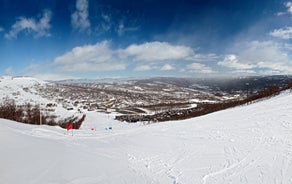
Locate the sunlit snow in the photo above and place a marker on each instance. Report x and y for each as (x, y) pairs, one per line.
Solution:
(248, 144)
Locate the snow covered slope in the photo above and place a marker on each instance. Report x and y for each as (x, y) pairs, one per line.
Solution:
(248, 144)
(22, 89)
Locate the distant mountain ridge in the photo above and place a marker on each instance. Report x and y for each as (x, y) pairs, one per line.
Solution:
(226, 84)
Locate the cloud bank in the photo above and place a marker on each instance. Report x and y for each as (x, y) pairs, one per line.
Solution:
(157, 51)
(261, 57)
(147, 56)
(199, 68)
(98, 57)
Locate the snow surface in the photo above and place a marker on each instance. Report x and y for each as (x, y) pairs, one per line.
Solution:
(248, 144)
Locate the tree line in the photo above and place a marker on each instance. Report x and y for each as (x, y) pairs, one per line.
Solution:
(32, 114)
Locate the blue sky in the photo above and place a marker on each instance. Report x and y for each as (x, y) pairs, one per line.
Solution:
(53, 39)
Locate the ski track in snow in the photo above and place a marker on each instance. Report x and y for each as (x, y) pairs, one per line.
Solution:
(245, 145)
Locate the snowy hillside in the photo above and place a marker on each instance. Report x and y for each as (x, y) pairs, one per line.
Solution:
(21, 88)
(28, 90)
(248, 144)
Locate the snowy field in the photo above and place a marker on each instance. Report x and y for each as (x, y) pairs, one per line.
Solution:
(249, 144)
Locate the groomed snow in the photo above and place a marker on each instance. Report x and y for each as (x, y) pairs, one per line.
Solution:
(248, 144)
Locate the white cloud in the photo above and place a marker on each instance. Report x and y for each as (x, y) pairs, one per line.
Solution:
(1, 29)
(284, 33)
(79, 19)
(163, 51)
(98, 57)
(279, 67)
(156, 51)
(167, 67)
(199, 68)
(97, 53)
(147, 67)
(31, 26)
(262, 57)
(289, 7)
(265, 51)
(232, 61)
(143, 68)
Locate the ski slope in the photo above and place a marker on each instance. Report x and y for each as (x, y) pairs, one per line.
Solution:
(248, 144)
